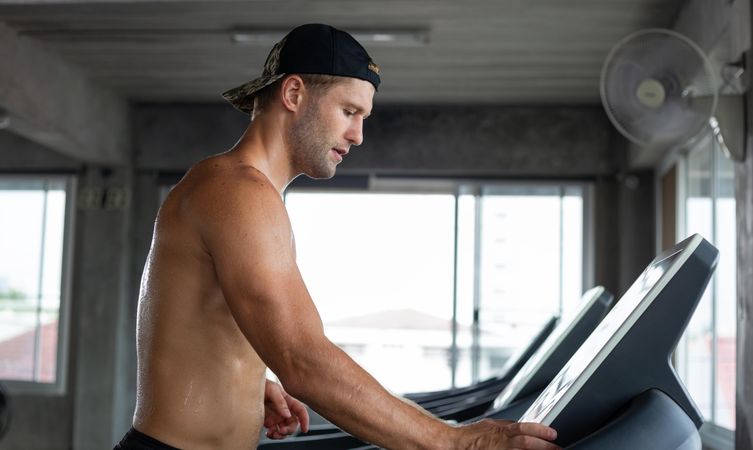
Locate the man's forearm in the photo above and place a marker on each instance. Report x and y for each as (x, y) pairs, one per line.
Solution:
(340, 390)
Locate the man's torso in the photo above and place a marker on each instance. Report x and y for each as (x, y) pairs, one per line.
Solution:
(200, 383)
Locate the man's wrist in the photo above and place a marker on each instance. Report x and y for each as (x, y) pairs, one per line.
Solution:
(446, 437)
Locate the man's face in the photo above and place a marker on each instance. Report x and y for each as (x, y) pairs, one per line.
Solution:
(328, 124)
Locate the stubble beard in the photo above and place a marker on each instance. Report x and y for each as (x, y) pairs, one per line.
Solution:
(309, 145)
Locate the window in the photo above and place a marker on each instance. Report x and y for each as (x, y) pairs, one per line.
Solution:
(439, 282)
(33, 282)
(706, 354)
(530, 252)
(380, 270)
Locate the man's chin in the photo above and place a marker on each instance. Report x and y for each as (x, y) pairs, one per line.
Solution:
(320, 175)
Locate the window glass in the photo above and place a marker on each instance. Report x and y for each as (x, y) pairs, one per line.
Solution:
(725, 291)
(383, 271)
(706, 355)
(519, 273)
(531, 259)
(31, 268)
(380, 270)
(697, 356)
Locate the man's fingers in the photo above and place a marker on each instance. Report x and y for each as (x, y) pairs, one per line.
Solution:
(289, 425)
(531, 429)
(530, 436)
(272, 434)
(276, 400)
(281, 430)
(273, 419)
(283, 412)
(522, 442)
(304, 419)
(300, 411)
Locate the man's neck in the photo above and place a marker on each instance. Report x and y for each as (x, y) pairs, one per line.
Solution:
(263, 146)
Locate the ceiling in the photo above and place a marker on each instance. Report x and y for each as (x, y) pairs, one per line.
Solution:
(476, 52)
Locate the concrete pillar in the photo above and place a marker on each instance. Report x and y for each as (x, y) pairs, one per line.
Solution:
(101, 289)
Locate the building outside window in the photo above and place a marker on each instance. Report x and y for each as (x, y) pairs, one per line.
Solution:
(430, 288)
(34, 247)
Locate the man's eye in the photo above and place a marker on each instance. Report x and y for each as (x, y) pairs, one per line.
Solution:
(348, 112)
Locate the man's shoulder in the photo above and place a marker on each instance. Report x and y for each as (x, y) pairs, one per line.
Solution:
(215, 187)
(216, 176)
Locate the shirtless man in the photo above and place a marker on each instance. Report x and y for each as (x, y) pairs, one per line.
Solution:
(222, 298)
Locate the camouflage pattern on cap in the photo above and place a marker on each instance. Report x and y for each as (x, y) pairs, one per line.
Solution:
(242, 97)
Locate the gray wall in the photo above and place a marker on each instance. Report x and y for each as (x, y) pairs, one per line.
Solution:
(434, 140)
(112, 243)
(744, 398)
(744, 204)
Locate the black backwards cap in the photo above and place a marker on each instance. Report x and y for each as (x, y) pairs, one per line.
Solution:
(308, 49)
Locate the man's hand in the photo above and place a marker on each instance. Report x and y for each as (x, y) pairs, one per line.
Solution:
(282, 413)
(503, 434)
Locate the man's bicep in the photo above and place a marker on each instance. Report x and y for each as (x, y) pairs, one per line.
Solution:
(248, 237)
(256, 269)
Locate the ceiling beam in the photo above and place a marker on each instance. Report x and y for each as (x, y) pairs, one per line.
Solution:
(48, 101)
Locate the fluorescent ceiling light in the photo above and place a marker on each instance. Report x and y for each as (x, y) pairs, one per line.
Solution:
(399, 38)
(410, 38)
(250, 37)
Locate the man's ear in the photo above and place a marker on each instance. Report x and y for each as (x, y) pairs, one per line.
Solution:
(292, 92)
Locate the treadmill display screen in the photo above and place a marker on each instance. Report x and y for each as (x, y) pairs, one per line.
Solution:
(543, 409)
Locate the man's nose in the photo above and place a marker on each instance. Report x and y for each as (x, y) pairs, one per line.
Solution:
(355, 132)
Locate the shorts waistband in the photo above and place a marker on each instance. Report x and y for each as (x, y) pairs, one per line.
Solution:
(136, 440)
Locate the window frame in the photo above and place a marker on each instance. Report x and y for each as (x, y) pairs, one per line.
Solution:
(59, 387)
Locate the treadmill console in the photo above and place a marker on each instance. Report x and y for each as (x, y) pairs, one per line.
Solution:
(629, 353)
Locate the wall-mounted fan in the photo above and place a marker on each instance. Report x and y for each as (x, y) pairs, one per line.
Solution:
(659, 89)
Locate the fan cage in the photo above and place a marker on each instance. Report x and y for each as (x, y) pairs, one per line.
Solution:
(650, 137)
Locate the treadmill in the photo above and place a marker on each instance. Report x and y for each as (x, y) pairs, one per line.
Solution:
(537, 371)
(620, 391)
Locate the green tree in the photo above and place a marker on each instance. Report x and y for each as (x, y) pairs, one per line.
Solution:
(12, 294)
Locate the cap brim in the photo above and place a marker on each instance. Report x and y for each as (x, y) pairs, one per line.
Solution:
(242, 97)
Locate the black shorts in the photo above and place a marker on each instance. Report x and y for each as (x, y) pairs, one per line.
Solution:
(136, 440)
